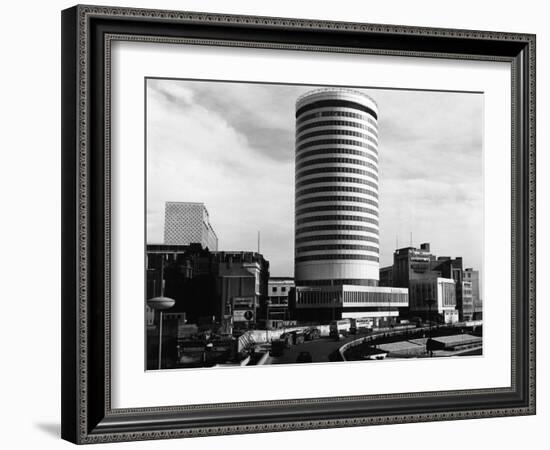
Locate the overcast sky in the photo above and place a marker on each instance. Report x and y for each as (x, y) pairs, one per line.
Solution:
(231, 146)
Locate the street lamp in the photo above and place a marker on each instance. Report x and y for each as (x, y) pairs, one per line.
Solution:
(160, 303)
(267, 304)
(430, 302)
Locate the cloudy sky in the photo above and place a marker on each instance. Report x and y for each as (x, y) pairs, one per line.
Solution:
(231, 146)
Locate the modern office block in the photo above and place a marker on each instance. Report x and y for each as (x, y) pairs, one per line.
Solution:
(186, 223)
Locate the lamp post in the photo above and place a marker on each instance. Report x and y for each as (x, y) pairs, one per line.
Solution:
(430, 302)
(267, 304)
(161, 303)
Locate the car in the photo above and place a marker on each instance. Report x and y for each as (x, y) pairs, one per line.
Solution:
(298, 337)
(304, 357)
(288, 339)
(312, 333)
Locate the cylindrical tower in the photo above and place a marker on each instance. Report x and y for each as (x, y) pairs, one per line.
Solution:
(336, 206)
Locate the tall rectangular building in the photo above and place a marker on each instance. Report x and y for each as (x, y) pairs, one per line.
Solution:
(186, 223)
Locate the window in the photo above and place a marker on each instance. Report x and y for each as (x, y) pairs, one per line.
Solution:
(283, 289)
(360, 144)
(329, 150)
(274, 289)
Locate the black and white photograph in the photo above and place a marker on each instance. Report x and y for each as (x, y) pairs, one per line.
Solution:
(292, 224)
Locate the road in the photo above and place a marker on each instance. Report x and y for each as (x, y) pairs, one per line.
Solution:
(320, 349)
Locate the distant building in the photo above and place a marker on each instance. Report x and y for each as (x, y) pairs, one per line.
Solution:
(472, 276)
(449, 267)
(186, 223)
(242, 285)
(434, 299)
(278, 289)
(209, 287)
(386, 276)
(188, 274)
(466, 306)
(413, 265)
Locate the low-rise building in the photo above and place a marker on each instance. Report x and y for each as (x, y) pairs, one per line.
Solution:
(278, 289)
(327, 303)
(434, 299)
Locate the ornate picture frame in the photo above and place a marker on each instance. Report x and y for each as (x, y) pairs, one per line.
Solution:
(88, 33)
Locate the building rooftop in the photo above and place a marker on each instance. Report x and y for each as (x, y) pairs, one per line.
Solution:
(334, 89)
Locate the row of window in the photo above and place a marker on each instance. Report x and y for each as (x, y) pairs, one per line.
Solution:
(336, 228)
(342, 237)
(334, 113)
(336, 208)
(316, 248)
(335, 150)
(376, 297)
(336, 198)
(335, 103)
(332, 257)
(275, 288)
(339, 282)
(337, 141)
(337, 132)
(337, 189)
(338, 123)
(319, 298)
(317, 170)
(336, 217)
(358, 162)
(302, 183)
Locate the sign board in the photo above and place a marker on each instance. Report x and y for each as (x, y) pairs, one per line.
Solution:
(187, 330)
(243, 315)
(243, 301)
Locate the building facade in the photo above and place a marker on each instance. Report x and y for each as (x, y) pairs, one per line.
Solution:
(410, 263)
(413, 265)
(209, 287)
(242, 286)
(278, 289)
(326, 303)
(186, 223)
(434, 298)
(336, 207)
(472, 276)
(466, 306)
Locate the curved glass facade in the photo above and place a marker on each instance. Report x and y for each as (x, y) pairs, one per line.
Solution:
(336, 173)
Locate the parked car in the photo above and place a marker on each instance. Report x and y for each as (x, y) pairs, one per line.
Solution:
(304, 357)
(298, 337)
(312, 333)
(288, 339)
